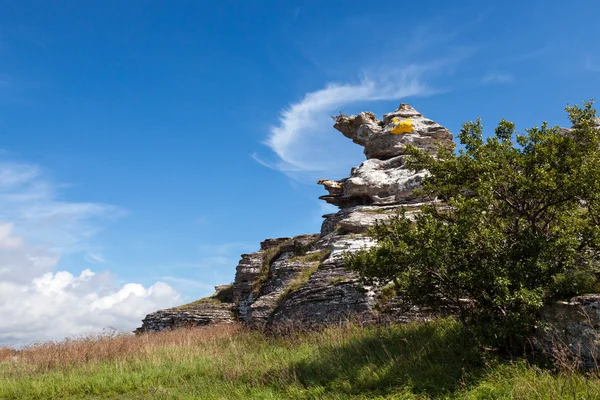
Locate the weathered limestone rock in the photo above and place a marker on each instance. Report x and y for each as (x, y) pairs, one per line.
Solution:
(358, 218)
(383, 178)
(217, 309)
(376, 190)
(301, 281)
(262, 277)
(398, 310)
(375, 182)
(247, 272)
(201, 315)
(332, 294)
(374, 135)
(573, 326)
(285, 270)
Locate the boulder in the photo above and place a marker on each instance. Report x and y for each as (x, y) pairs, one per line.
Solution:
(572, 328)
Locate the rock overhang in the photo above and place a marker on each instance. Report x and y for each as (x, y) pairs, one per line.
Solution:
(384, 179)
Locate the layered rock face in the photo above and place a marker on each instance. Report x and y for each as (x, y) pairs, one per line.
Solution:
(375, 190)
(301, 282)
(262, 278)
(216, 309)
(200, 315)
(374, 135)
(301, 291)
(247, 276)
(331, 294)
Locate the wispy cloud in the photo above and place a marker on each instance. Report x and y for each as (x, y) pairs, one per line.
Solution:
(395, 67)
(94, 258)
(589, 65)
(299, 140)
(497, 78)
(33, 203)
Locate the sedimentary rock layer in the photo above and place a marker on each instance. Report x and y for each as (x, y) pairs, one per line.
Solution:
(200, 315)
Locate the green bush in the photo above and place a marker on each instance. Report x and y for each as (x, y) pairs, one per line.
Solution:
(512, 224)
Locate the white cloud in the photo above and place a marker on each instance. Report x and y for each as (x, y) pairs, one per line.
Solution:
(300, 140)
(12, 174)
(38, 301)
(6, 240)
(497, 78)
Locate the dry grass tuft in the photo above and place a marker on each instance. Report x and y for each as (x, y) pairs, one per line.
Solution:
(113, 346)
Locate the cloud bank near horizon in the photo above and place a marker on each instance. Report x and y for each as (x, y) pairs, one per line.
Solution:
(39, 302)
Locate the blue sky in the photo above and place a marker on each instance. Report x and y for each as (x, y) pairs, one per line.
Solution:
(153, 142)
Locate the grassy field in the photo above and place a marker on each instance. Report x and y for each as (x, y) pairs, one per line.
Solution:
(418, 361)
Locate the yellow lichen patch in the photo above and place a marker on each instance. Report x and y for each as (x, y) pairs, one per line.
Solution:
(401, 126)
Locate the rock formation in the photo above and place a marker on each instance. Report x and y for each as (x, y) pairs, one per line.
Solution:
(301, 281)
(375, 190)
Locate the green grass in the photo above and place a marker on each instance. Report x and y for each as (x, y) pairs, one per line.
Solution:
(301, 279)
(270, 255)
(225, 295)
(319, 255)
(418, 361)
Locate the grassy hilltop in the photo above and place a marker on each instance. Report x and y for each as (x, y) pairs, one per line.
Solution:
(416, 361)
